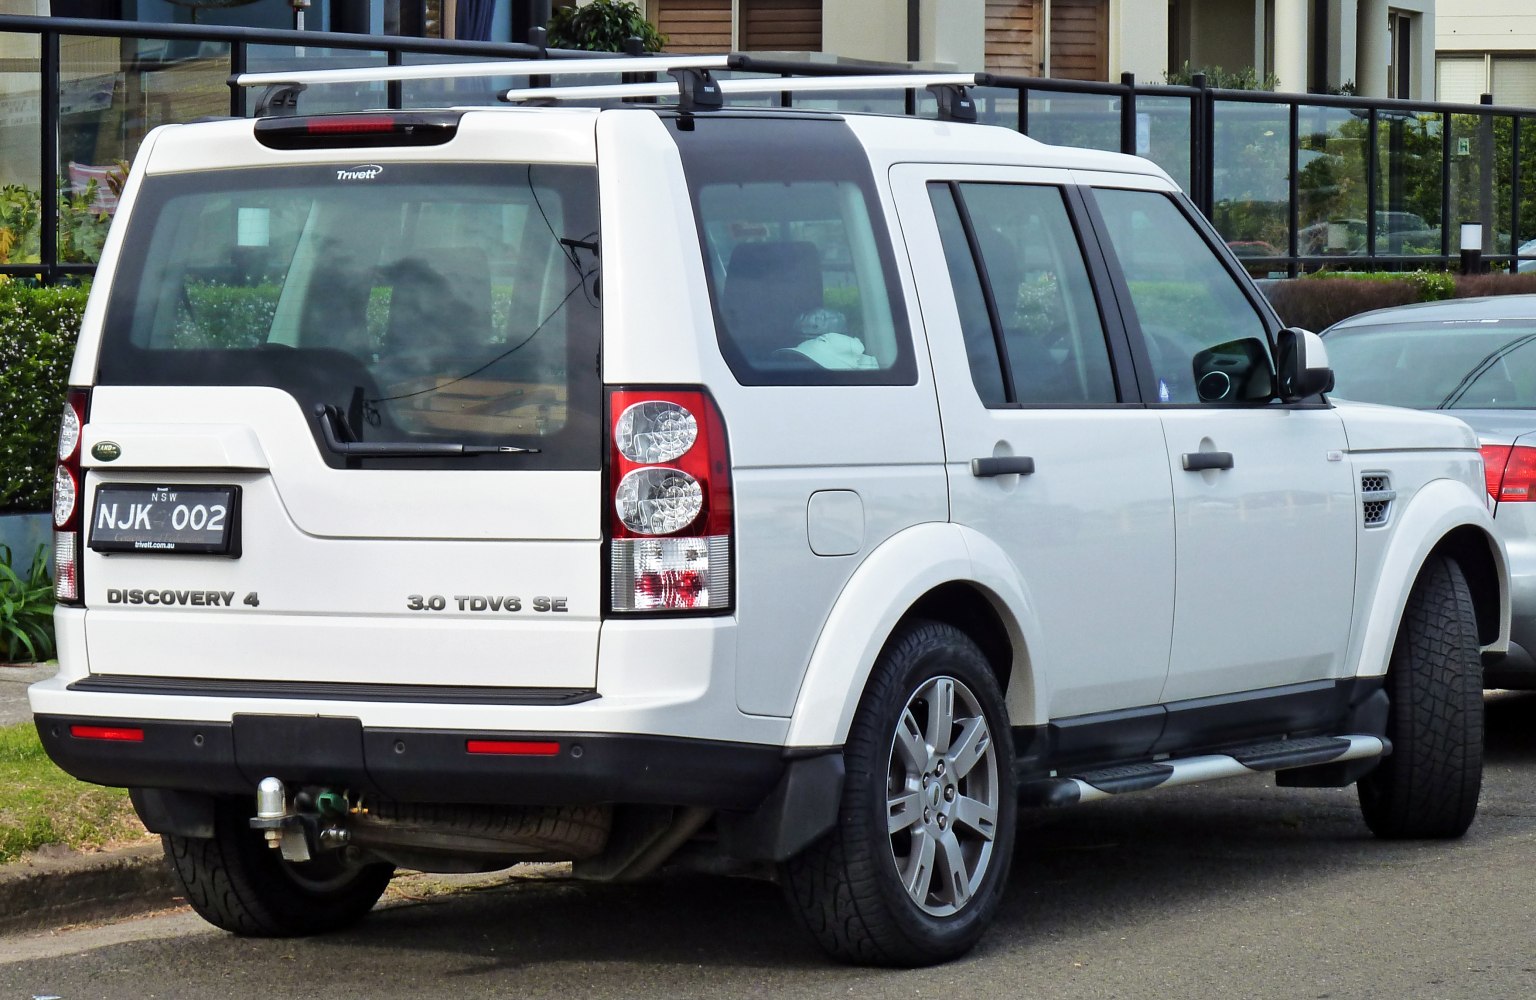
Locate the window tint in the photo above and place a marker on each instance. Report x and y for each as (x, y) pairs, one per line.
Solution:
(426, 309)
(799, 264)
(1042, 303)
(1186, 301)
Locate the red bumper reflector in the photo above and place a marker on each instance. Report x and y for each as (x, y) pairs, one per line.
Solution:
(117, 733)
(512, 748)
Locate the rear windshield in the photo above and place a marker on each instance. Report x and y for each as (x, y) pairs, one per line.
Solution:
(426, 303)
(1476, 365)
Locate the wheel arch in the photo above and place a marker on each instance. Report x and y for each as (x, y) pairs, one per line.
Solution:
(1474, 551)
(1443, 518)
(942, 572)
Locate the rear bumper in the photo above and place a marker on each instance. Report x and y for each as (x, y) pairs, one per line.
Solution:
(415, 765)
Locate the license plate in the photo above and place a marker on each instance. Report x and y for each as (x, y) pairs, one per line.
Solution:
(182, 519)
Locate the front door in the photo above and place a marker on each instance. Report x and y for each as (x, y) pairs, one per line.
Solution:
(1263, 498)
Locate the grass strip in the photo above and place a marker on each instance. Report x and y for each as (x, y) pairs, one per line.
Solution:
(41, 805)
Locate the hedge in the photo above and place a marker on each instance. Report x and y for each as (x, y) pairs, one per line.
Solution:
(38, 327)
(1318, 301)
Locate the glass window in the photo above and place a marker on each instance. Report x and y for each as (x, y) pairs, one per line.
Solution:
(1046, 313)
(1469, 364)
(970, 299)
(798, 258)
(1186, 301)
(461, 310)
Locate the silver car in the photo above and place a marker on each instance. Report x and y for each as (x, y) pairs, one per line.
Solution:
(1475, 358)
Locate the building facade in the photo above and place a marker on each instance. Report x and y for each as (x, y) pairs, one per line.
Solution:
(1486, 47)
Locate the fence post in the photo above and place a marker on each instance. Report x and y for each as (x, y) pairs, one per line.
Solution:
(238, 63)
(1202, 153)
(1128, 114)
(48, 214)
(1485, 162)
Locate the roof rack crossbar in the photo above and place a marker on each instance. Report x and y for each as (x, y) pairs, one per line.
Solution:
(955, 103)
(496, 67)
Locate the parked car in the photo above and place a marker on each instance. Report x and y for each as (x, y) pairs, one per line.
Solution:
(1526, 256)
(1474, 358)
(671, 484)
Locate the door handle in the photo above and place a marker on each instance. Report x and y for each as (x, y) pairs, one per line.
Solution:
(1201, 461)
(1006, 465)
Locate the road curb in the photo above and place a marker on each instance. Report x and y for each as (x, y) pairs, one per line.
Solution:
(44, 891)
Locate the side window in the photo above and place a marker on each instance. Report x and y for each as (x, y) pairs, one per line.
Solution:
(970, 298)
(1206, 341)
(1021, 283)
(801, 287)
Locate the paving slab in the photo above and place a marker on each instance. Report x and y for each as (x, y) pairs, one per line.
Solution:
(14, 680)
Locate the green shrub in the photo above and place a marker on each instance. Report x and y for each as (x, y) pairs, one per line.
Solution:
(38, 327)
(1246, 78)
(82, 229)
(26, 609)
(603, 26)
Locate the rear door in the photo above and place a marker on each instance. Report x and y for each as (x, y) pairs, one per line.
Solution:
(387, 373)
(1046, 454)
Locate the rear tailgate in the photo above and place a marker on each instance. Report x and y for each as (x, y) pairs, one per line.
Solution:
(485, 577)
(387, 372)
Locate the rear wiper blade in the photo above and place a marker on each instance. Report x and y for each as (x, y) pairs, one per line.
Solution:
(331, 419)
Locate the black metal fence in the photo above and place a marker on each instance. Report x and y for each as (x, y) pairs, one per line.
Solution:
(1293, 182)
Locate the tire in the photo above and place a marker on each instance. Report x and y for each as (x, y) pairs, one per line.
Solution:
(850, 889)
(1428, 787)
(235, 881)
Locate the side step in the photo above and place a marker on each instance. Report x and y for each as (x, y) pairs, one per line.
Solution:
(1087, 786)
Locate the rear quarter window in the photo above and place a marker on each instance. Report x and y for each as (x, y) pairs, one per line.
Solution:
(801, 273)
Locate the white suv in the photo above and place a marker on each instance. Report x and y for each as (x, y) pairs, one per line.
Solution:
(646, 484)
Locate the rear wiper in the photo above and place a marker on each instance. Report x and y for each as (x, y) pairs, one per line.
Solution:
(341, 439)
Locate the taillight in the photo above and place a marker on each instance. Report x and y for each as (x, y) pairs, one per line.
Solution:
(670, 524)
(368, 129)
(1510, 471)
(68, 498)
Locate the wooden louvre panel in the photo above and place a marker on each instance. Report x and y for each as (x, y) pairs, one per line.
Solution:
(781, 25)
(1013, 37)
(1080, 39)
(694, 25)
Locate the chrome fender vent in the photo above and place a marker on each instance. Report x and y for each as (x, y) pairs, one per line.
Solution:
(1376, 496)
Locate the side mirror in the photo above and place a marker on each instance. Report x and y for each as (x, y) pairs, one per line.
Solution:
(1303, 366)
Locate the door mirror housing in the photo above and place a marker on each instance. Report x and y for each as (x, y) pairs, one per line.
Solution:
(1303, 365)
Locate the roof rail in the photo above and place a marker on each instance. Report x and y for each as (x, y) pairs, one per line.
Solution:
(693, 84)
(497, 67)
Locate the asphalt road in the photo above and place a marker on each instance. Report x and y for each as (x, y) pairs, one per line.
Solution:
(1231, 889)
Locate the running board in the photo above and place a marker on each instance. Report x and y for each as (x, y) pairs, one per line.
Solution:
(1101, 784)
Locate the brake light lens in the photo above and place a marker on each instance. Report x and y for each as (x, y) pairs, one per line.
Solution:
(1510, 472)
(368, 129)
(67, 499)
(670, 529)
(512, 748)
(116, 734)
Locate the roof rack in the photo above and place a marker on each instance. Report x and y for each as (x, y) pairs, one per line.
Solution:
(693, 83)
(497, 67)
(936, 82)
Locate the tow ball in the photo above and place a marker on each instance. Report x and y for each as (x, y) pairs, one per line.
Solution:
(312, 823)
